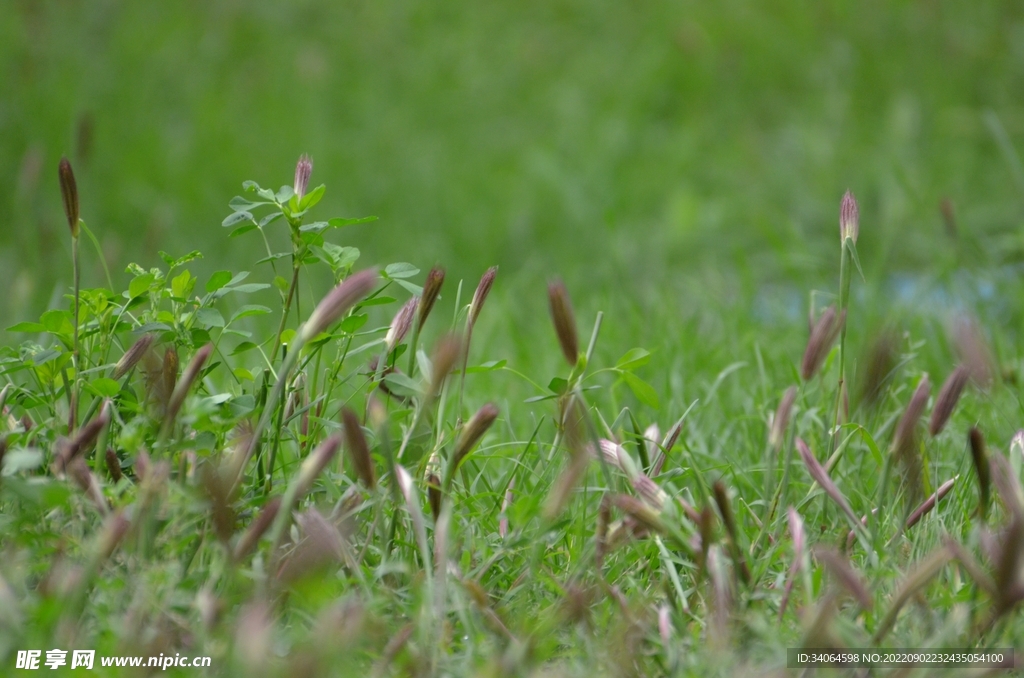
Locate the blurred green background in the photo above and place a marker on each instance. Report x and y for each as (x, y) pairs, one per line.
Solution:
(628, 146)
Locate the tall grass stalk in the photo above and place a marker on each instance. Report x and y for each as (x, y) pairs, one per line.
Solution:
(848, 231)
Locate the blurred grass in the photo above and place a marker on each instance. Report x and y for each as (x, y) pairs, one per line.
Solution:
(621, 144)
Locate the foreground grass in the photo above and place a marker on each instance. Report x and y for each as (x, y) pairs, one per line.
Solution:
(335, 495)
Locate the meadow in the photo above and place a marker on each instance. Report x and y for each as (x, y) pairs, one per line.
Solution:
(566, 353)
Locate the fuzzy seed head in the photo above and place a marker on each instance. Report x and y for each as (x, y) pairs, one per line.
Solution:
(431, 291)
(880, 360)
(434, 495)
(483, 288)
(505, 504)
(84, 438)
(133, 355)
(472, 432)
(665, 624)
(930, 502)
(725, 508)
(639, 511)
(303, 170)
(981, 468)
(338, 301)
(948, 217)
(113, 465)
(446, 353)
(849, 218)
(401, 324)
(974, 351)
(823, 335)
(316, 462)
(650, 492)
(946, 401)
(1017, 445)
(796, 531)
(188, 378)
(841, 569)
(257, 529)
(781, 419)
(564, 320)
(115, 526)
(820, 475)
(69, 194)
(355, 441)
(405, 485)
(903, 439)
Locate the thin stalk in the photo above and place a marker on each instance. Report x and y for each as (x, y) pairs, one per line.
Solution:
(72, 419)
(782, 494)
(292, 289)
(593, 335)
(465, 364)
(273, 450)
(290, 359)
(844, 299)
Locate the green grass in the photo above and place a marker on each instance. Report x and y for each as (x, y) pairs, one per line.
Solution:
(679, 166)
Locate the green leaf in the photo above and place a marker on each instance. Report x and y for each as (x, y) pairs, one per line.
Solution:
(236, 218)
(266, 194)
(377, 301)
(57, 321)
(248, 310)
(558, 385)
(633, 358)
(201, 336)
(412, 288)
(240, 203)
(182, 285)
(31, 328)
(44, 357)
(316, 226)
(174, 263)
(401, 384)
(22, 460)
(488, 366)
(337, 257)
(218, 280)
(852, 247)
(104, 387)
(249, 288)
(243, 347)
(353, 323)
(401, 270)
(243, 404)
(154, 327)
(270, 218)
(210, 317)
(140, 285)
(245, 228)
(243, 373)
(312, 198)
(339, 222)
(643, 391)
(273, 257)
(285, 193)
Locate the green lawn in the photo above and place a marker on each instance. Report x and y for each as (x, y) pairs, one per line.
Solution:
(679, 165)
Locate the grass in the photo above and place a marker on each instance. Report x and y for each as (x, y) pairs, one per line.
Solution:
(200, 505)
(680, 168)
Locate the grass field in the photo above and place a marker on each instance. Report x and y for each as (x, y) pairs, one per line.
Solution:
(548, 479)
